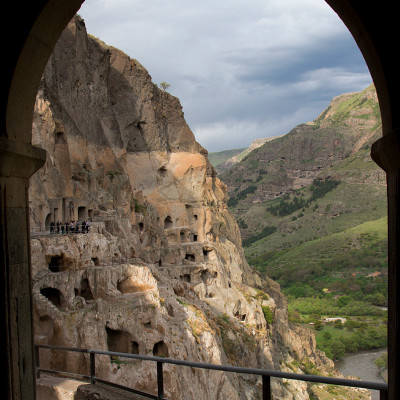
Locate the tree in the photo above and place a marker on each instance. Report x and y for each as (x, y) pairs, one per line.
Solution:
(165, 85)
(318, 325)
(337, 349)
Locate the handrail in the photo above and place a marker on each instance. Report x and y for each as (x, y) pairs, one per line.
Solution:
(264, 373)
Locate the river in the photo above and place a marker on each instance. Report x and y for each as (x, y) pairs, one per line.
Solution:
(361, 364)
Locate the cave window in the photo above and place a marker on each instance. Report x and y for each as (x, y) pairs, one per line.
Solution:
(159, 262)
(82, 213)
(205, 254)
(195, 217)
(85, 291)
(182, 235)
(134, 347)
(190, 257)
(96, 261)
(60, 138)
(206, 276)
(160, 349)
(56, 263)
(162, 171)
(47, 222)
(194, 238)
(186, 278)
(168, 224)
(118, 341)
(53, 295)
(141, 226)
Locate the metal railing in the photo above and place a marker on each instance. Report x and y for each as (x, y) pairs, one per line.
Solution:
(265, 374)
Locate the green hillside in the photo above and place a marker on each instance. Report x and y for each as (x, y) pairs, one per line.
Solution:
(311, 207)
(218, 157)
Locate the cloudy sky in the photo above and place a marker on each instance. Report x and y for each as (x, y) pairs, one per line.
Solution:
(242, 69)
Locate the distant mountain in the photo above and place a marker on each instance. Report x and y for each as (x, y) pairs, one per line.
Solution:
(224, 160)
(219, 157)
(293, 195)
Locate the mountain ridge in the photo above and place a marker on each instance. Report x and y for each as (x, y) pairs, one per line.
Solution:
(315, 182)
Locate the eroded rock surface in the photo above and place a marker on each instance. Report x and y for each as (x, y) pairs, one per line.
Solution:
(161, 270)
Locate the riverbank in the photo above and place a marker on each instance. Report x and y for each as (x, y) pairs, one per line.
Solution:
(361, 364)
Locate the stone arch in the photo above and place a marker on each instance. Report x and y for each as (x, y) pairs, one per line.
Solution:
(35, 31)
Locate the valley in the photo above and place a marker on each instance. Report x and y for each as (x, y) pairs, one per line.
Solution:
(311, 208)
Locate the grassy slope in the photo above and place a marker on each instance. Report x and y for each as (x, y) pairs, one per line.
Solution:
(334, 225)
(328, 228)
(217, 158)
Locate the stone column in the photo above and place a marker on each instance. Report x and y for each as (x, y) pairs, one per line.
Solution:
(386, 153)
(18, 162)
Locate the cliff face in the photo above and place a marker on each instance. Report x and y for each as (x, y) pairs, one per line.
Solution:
(162, 269)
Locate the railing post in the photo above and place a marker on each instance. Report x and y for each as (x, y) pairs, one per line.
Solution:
(92, 368)
(383, 395)
(266, 387)
(160, 380)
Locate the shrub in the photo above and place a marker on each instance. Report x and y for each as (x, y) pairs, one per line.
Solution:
(268, 314)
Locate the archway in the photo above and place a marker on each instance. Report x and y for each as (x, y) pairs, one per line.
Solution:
(35, 32)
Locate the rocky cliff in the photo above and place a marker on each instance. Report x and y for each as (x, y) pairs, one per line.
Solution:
(335, 144)
(161, 270)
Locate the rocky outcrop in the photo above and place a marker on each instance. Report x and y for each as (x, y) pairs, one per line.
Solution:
(161, 270)
(336, 145)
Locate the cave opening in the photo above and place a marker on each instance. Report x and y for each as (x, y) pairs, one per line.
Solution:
(190, 257)
(56, 263)
(186, 278)
(160, 349)
(168, 224)
(134, 347)
(118, 341)
(205, 254)
(85, 290)
(53, 295)
(82, 213)
(162, 171)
